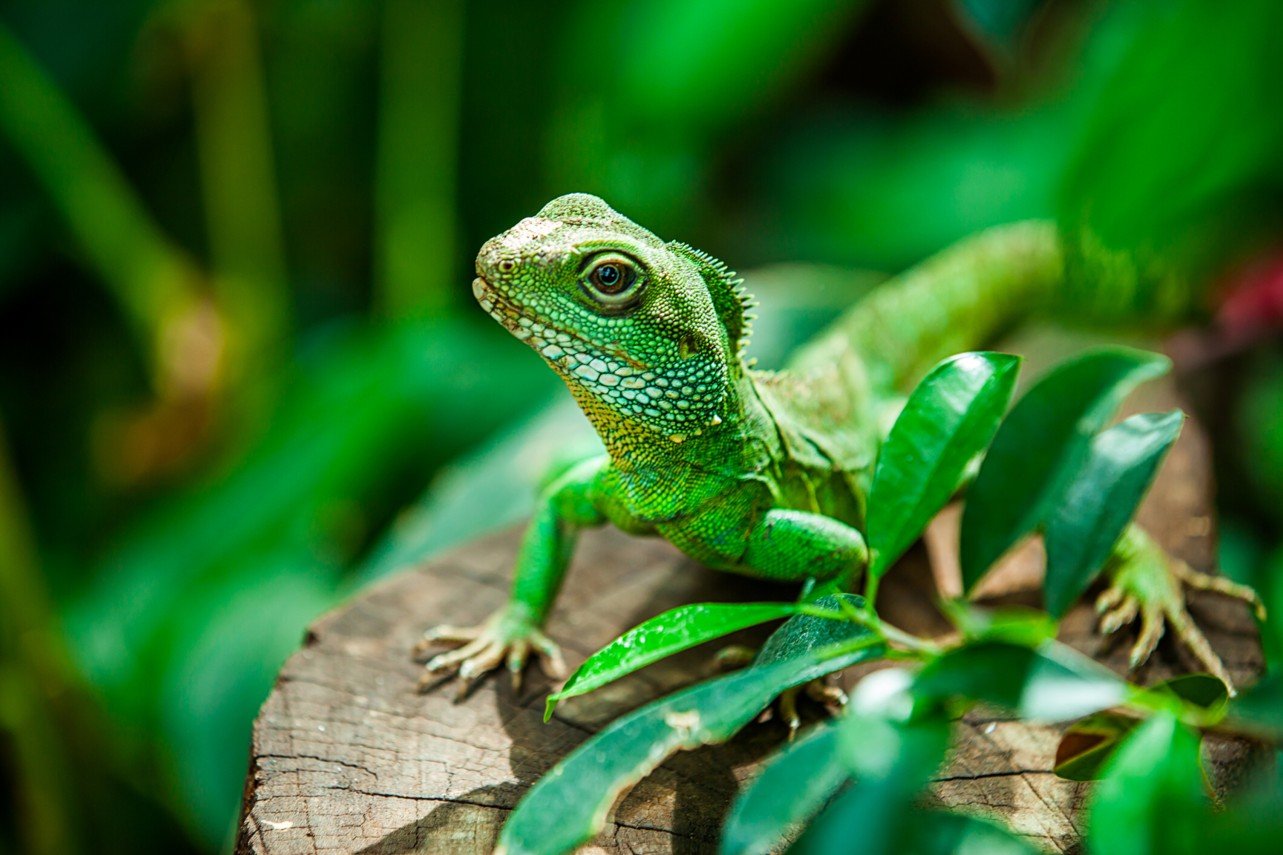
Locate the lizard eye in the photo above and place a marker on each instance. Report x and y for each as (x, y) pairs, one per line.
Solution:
(613, 280)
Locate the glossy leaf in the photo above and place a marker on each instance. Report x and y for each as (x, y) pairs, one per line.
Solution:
(891, 754)
(663, 635)
(1095, 507)
(1049, 683)
(570, 803)
(791, 788)
(949, 418)
(1151, 792)
(1087, 744)
(1040, 445)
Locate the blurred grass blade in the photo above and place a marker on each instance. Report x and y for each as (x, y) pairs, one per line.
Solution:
(790, 789)
(1094, 508)
(1041, 444)
(570, 803)
(663, 635)
(1151, 792)
(238, 179)
(35, 679)
(153, 280)
(417, 156)
(949, 418)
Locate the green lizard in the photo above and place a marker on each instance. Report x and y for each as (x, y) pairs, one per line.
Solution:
(762, 473)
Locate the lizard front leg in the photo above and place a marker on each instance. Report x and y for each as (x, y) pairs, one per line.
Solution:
(567, 505)
(799, 546)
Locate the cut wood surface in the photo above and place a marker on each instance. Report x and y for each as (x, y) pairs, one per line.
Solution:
(348, 757)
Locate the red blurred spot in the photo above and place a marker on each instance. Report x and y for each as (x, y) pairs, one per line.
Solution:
(1255, 300)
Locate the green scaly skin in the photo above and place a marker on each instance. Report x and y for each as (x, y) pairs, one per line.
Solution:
(759, 473)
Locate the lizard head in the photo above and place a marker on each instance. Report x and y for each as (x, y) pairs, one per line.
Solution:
(641, 330)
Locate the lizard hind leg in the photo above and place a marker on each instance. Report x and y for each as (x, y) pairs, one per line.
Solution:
(1148, 584)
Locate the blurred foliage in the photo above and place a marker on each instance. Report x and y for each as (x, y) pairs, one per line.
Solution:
(235, 240)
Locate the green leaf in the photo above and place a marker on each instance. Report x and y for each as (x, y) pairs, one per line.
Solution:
(1091, 513)
(791, 788)
(936, 832)
(1087, 744)
(1015, 624)
(891, 754)
(1151, 793)
(1041, 444)
(1201, 690)
(570, 803)
(949, 418)
(1049, 683)
(1260, 708)
(663, 635)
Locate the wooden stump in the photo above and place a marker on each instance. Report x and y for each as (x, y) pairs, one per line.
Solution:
(348, 757)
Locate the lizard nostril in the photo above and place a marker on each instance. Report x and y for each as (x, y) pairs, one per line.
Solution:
(507, 265)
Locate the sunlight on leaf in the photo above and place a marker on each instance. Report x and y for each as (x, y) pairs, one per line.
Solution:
(891, 753)
(663, 635)
(1052, 682)
(949, 418)
(570, 803)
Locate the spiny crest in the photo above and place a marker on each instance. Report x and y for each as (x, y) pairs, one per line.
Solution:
(733, 303)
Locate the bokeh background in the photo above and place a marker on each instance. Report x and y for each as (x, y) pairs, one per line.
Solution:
(242, 374)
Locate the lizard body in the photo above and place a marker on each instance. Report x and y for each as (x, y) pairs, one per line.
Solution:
(760, 473)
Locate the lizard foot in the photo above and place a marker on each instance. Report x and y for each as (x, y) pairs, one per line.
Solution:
(1150, 585)
(503, 638)
(821, 691)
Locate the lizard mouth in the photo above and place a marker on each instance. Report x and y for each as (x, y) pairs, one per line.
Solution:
(529, 327)
(503, 310)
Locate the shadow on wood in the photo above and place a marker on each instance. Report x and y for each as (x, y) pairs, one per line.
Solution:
(348, 757)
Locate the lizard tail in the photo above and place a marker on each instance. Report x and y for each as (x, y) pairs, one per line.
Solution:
(983, 286)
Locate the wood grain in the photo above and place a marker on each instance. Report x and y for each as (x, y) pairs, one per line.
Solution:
(348, 757)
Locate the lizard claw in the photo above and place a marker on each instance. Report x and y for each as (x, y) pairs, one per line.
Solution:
(1150, 585)
(819, 690)
(504, 638)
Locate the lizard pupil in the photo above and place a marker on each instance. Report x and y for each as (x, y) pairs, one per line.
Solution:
(612, 277)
